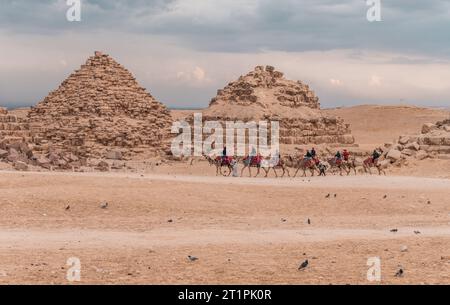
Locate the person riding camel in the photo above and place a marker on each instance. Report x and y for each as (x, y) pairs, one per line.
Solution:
(313, 153)
(308, 155)
(338, 157)
(346, 155)
(375, 156)
(224, 155)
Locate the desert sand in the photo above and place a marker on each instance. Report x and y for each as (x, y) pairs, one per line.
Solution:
(242, 230)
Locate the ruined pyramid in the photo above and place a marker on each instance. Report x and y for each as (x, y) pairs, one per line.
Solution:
(100, 108)
(264, 94)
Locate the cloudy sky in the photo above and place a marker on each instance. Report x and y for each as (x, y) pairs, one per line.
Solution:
(182, 51)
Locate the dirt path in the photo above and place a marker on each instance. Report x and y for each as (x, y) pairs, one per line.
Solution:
(40, 239)
(365, 181)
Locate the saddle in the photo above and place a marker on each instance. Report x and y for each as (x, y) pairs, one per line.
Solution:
(254, 160)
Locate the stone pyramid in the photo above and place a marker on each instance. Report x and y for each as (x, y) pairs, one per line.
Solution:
(98, 108)
(264, 94)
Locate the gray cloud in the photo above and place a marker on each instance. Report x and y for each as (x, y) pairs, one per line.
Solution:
(226, 38)
(249, 25)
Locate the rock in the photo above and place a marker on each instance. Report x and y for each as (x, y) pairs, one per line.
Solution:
(114, 155)
(420, 155)
(20, 166)
(428, 127)
(413, 146)
(403, 140)
(3, 153)
(103, 166)
(394, 155)
(409, 152)
(13, 155)
(443, 157)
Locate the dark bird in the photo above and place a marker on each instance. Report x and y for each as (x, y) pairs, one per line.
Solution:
(394, 230)
(335, 195)
(309, 221)
(170, 220)
(192, 258)
(303, 265)
(429, 201)
(416, 232)
(328, 196)
(67, 207)
(104, 205)
(385, 196)
(399, 273)
(283, 220)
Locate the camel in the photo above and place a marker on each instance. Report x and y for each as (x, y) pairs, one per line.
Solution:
(220, 162)
(305, 164)
(275, 163)
(333, 162)
(353, 163)
(379, 165)
(250, 162)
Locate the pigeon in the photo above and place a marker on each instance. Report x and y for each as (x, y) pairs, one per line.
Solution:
(283, 220)
(399, 273)
(67, 207)
(104, 205)
(303, 265)
(170, 220)
(328, 196)
(416, 232)
(394, 230)
(192, 258)
(309, 221)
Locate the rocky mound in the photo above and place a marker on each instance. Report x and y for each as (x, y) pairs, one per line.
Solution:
(98, 109)
(264, 94)
(434, 142)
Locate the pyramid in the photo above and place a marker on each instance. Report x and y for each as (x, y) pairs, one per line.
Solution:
(98, 108)
(264, 94)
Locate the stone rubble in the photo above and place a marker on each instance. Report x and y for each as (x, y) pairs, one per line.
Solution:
(433, 142)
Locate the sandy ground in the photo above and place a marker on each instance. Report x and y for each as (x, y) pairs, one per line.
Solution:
(378, 124)
(242, 230)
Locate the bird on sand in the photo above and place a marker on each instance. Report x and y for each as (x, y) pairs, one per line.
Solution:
(309, 221)
(67, 207)
(416, 232)
(104, 205)
(192, 258)
(385, 196)
(303, 265)
(394, 230)
(328, 196)
(399, 273)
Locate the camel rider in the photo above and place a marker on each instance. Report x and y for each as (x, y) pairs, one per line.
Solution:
(308, 155)
(224, 154)
(346, 155)
(338, 156)
(375, 156)
(313, 153)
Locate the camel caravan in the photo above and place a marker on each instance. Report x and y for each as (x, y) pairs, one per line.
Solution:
(340, 163)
